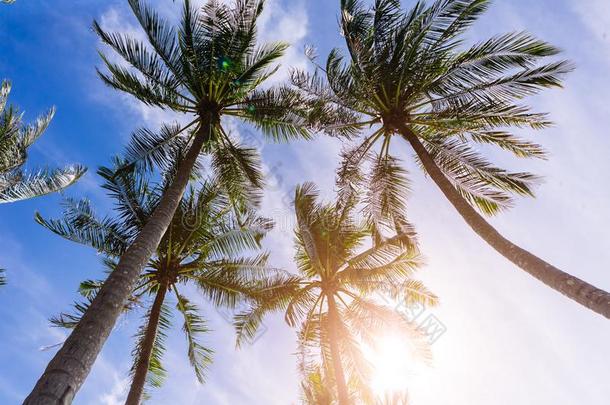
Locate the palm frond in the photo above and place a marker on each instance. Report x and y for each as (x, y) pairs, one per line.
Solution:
(122, 79)
(15, 139)
(161, 36)
(18, 186)
(272, 294)
(386, 193)
(80, 224)
(149, 64)
(88, 289)
(279, 113)
(157, 373)
(519, 147)
(134, 197)
(70, 320)
(194, 326)
(414, 291)
(239, 171)
(482, 184)
(149, 149)
(382, 278)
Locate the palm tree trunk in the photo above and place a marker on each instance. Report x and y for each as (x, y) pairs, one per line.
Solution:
(70, 366)
(574, 288)
(143, 362)
(335, 352)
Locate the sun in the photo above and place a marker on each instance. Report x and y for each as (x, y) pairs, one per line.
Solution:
(395, 365)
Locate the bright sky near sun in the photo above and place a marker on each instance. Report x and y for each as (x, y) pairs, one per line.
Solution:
(509, 340)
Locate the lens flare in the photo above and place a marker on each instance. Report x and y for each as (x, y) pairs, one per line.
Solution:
(224, 63)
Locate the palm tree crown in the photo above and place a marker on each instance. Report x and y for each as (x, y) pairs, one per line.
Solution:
(204, 247)
(208, 67)
(15, 139)
(332, 298)
(409, 69)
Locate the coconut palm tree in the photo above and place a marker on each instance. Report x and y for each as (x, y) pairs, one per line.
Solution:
(205, 246)
(207, 67)
(15, 139)
(409, 76)
(333, 298)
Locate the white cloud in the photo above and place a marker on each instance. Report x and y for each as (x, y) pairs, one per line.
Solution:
(117, 393)
(287, 23)
(116, 20)
(595, 14)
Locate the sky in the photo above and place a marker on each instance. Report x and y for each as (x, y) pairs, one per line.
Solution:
(507, 338)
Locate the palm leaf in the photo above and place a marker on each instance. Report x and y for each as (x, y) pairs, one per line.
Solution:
(21, 186)
(157, 373)
(194, 326)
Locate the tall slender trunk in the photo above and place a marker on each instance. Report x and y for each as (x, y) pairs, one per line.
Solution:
(335, 351)
(70, 366)
(574, 288)
(143, 362)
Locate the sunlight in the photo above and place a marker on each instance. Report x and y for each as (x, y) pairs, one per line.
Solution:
(395, 365)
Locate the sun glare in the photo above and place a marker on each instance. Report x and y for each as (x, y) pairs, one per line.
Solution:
(395, 365)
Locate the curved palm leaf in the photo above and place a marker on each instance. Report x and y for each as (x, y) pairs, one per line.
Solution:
(194, 326)
(15, 139)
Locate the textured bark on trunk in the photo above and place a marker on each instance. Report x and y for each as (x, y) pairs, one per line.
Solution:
(335, 352)
(70, 366)
(143, 362)
(572, 287)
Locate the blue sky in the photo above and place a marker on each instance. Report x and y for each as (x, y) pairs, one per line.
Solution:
(509, 340)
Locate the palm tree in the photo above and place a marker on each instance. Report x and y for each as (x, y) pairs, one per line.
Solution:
(208, 67)
(333, 298)
(203, 246)
(409, 77)
(15, 139)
